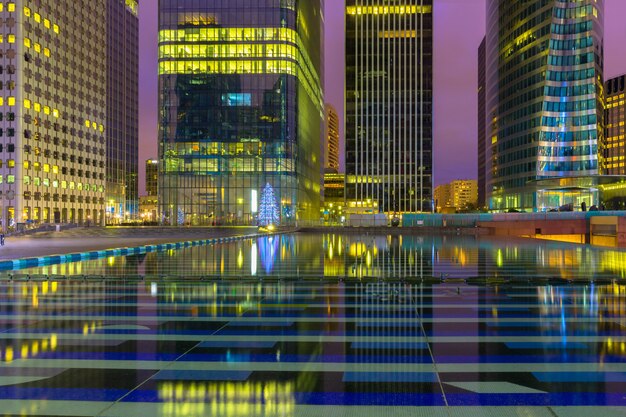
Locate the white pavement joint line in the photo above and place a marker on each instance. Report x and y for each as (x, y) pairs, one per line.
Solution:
(430, 350)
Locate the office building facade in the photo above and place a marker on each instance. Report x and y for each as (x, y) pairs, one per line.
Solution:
(152, 177)
(544, 100)
(331, 144)
(240, 107)
(389, 104)
(615, 129)
(122, 106)
(482, 121)
(53, 109)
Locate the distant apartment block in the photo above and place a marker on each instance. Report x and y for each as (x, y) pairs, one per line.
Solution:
(458, 195)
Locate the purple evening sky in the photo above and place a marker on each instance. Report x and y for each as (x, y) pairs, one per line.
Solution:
(459, 28)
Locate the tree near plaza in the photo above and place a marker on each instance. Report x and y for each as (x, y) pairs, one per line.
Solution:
(269, 212)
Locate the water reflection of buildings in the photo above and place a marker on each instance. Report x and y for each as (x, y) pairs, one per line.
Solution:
(227, 399)
(363, 257)
(585, 311)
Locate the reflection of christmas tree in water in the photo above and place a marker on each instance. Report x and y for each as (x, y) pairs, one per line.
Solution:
(181, 217)
(269, 212)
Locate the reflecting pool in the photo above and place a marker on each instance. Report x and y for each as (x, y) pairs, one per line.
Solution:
(321, 325)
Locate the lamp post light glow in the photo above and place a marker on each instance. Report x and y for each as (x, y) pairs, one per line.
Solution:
(254, 202)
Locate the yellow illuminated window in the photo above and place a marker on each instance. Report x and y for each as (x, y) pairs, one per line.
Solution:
(56, 28)
(87, 123)
(46, 23)
(37, 47)
(26, 11)
(37, 107)
(101, 128)
(11, 101)
(55, 169)
(26, 164)
(27, 103)
(37, 17)
(55, 113)
(94, 125)
(1, 36)
(11, 163)
(1, 7)
(10, 7)
(63, 184)
(72, 186)
(46, 110)
(46, 52)
(27, 42)
(46, 167)
(11, 38)
(1, 101)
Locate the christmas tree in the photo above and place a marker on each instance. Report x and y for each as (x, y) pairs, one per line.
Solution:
(181, 217)
(268, 208)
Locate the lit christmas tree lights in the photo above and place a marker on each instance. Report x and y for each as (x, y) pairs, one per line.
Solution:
(269, 212)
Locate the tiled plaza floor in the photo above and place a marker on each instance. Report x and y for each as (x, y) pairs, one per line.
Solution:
(305, 346)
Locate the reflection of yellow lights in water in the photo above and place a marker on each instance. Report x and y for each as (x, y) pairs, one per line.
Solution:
(227, 399)
(24, 352)
(8, 354)
(44, 287)
(357, 249)
(35, 302)
(240, 259)
(499, 260)
(111, 261)
(613, 261)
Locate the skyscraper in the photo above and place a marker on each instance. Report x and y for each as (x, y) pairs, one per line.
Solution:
(544, 92)
(389, 103)
(240, 106)
(331, 148)
(615, 149)
(122, 108)
(53, 111)
(152, 177)
(482, 142)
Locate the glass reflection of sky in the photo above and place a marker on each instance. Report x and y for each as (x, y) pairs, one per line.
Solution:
(366, 256)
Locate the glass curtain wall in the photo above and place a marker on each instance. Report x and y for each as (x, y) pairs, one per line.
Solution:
(544, 95)
(240, 107)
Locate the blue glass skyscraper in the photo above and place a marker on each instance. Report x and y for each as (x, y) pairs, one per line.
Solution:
(544, 92)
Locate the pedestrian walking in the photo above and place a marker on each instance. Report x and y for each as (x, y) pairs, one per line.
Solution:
(1, 239)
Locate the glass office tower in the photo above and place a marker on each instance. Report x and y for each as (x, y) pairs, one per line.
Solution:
(389, 104)
(240, 106)
(544, 88)
(122, 186)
